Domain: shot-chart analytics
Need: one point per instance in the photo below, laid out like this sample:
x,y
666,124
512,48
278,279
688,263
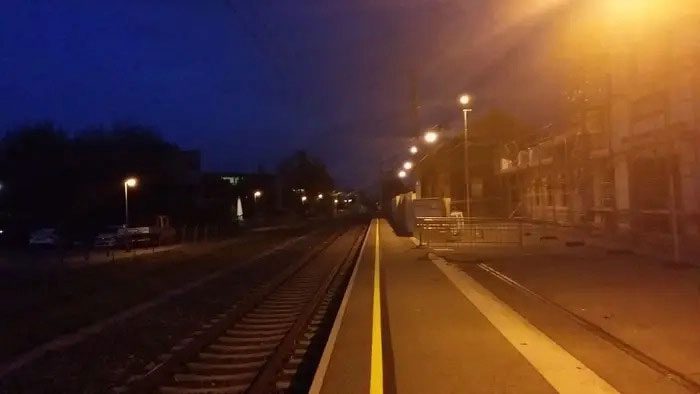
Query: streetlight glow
x,y
407,165
335,201
303,198
413,150
430,137
257,194
320,196
129,182
464,99
402,174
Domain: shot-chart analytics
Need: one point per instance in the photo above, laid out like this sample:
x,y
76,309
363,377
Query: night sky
x,y
248,82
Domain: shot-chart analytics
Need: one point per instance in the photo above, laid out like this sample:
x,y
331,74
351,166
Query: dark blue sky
x,y
248,82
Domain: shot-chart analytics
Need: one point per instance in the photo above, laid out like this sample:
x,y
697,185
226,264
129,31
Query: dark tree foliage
x,y
301,171
76,182
216,202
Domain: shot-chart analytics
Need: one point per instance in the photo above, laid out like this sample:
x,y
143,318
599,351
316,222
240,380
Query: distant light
x,y
303,198
350,200
464,99
402,174
335,201
407,165
131,182
257,194
413,150
320,196
430,137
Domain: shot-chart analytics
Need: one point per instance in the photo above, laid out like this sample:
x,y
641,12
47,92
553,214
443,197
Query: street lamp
x,y
464,101
256,195
413,150
402,174
430,137
129,182
303,198
407,165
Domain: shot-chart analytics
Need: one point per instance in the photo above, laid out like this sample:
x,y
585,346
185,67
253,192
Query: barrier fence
x,y
470,231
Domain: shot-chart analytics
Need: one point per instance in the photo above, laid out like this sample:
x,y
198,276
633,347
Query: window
x,y
564,191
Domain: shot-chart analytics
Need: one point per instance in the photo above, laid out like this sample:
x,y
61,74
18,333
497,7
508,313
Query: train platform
x,y
411,322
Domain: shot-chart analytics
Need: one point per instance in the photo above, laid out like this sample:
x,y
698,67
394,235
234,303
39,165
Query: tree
x,y
303,172
76,183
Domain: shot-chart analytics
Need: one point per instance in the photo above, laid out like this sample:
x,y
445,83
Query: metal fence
x,y
472,231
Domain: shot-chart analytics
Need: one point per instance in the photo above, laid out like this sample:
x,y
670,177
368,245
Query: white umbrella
x,y
239,209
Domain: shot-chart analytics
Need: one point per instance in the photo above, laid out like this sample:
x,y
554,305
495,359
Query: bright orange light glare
x,y
430,137
645,11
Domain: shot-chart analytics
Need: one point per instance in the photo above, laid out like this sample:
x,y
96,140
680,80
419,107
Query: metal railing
x,y
472,231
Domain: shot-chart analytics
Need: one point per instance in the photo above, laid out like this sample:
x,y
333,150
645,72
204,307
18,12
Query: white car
x,y
44,237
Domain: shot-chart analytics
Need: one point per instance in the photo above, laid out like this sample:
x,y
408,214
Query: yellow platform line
x,y
376,379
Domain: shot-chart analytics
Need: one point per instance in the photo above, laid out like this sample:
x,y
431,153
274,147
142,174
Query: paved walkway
x,y
657,245
412,322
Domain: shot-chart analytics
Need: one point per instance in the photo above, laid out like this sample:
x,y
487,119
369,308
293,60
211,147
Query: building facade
x,y
628,160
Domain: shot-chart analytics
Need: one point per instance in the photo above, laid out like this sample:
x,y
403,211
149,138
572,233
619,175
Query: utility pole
x,y
464,100
415,104
669,167
467,192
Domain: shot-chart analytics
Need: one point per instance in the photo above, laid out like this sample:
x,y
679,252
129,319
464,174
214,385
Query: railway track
x,y
261,344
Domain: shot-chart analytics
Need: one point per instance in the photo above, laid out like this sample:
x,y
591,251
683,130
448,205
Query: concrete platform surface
x,y
453,327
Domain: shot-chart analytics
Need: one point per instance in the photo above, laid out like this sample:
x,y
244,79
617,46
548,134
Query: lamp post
x,y
130,182
256,196
464,101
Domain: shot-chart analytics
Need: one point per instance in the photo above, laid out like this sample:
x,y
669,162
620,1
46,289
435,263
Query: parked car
x,y
46,237
159,233
108,237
